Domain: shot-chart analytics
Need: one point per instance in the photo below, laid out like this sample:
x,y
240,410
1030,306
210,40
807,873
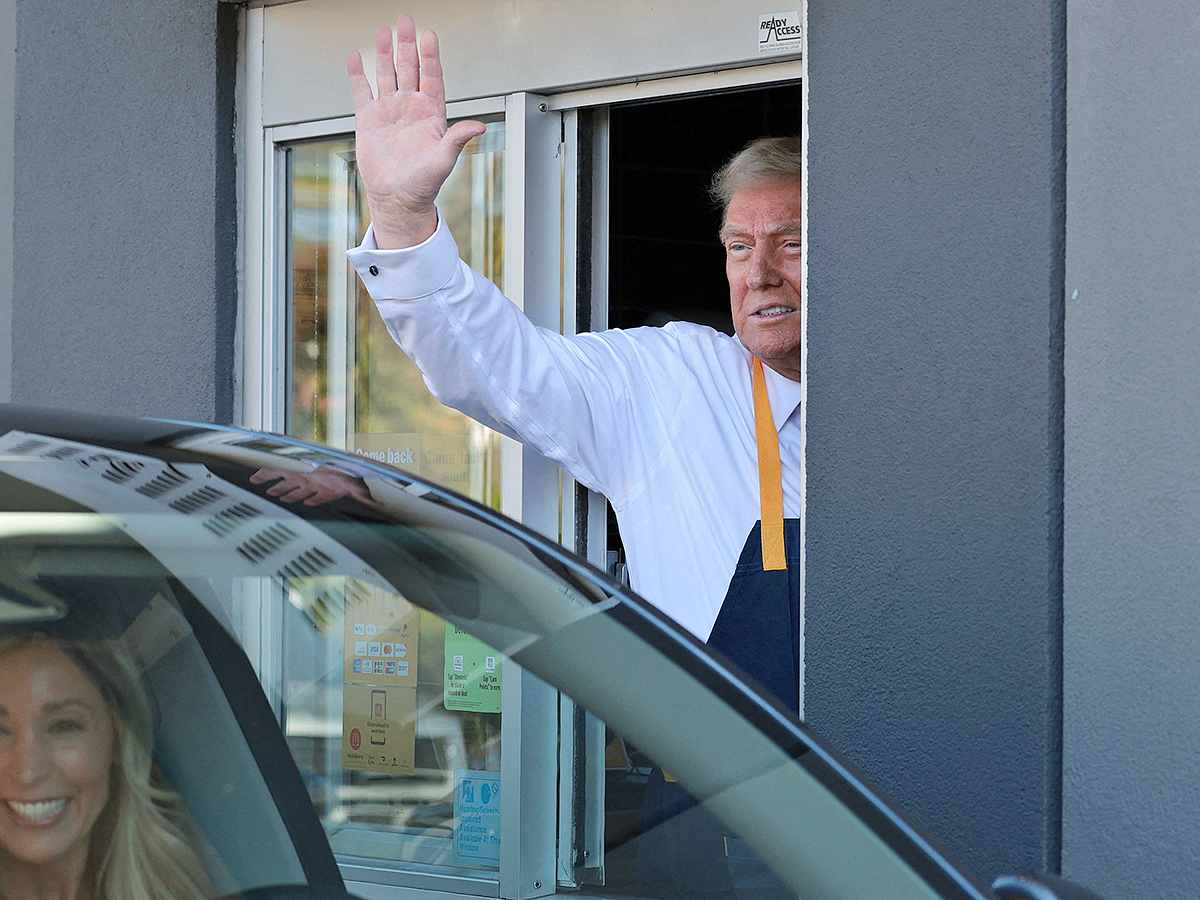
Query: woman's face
x,y
56,756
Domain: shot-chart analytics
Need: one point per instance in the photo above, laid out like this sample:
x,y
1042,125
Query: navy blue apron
x,y
684,851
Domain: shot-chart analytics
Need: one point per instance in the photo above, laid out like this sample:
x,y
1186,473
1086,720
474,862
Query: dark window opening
x,y
665,263
664,258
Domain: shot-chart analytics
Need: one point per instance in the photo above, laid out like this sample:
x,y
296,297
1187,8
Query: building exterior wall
x,y
1002,520
1132,491
8,96
124,292
932,595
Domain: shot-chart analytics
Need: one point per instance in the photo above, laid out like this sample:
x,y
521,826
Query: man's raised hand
x,y
404,149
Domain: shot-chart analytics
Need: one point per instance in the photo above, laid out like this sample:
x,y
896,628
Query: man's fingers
x,y
407,65
359,86
385,67
433,85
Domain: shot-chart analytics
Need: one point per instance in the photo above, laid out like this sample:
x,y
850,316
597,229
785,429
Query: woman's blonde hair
x,y
149,854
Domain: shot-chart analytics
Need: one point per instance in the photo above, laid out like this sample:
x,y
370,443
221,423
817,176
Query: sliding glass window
x,y
348,384
422,697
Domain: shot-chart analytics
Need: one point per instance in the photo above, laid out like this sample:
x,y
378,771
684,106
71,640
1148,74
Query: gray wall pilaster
x,y
124,198
933,593
8,99
1132,492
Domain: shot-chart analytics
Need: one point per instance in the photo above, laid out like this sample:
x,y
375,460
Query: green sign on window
x,y
472,673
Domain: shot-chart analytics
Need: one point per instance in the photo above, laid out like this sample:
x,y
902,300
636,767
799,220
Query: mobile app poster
x,y
473,673
379,728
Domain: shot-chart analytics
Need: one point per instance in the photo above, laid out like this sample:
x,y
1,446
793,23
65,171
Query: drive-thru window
x,y
585,201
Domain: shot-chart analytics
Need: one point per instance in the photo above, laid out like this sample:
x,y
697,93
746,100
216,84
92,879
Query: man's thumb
x,y
461,132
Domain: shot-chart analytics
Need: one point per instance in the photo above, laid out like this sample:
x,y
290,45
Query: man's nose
x,y
763,271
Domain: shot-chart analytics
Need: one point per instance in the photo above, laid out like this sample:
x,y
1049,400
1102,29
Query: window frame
x,y
542,265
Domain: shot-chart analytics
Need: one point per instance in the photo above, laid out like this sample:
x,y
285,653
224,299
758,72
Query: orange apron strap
x,y
770,478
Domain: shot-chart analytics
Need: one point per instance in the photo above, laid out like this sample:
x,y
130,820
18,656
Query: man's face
x,y
761,237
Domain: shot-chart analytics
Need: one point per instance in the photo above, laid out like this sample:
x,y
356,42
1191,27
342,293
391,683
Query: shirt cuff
x,y
406,274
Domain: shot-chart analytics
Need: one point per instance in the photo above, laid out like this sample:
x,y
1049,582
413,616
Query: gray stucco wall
x,y
933,595
8,92
1132,491
124,282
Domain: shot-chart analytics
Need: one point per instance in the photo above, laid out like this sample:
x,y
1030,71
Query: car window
x,y
126,610
402,608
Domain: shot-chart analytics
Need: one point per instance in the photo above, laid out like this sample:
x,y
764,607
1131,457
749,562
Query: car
x,y
329,680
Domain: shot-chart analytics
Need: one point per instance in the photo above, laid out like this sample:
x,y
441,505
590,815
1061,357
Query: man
x,y
660,420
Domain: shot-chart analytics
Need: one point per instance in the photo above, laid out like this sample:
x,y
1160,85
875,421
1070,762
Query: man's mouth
x,y
37,812
773,311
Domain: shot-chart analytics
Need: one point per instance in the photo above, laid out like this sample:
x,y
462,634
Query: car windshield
x,y
141,577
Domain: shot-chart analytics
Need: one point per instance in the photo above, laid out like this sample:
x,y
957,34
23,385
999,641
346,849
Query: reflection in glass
x,y
374,719
349,385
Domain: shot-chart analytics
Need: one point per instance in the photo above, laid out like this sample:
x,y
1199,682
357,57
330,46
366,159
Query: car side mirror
x,y
1040,887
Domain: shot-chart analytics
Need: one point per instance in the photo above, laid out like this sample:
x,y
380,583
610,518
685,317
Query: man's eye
x,y
736,247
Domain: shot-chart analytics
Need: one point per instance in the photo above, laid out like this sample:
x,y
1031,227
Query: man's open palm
x,y
404,149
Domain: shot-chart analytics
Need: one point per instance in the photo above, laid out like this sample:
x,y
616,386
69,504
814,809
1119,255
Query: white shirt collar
x,y
785,396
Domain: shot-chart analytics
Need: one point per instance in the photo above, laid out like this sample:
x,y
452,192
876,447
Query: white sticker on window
x,y
780,33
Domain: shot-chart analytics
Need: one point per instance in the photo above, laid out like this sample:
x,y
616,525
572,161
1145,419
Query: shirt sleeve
x,y
570,398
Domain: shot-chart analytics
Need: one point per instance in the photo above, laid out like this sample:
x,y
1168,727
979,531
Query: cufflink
x,y
374,270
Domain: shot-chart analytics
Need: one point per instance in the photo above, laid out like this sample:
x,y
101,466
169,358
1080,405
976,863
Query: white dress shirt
x,y
659,420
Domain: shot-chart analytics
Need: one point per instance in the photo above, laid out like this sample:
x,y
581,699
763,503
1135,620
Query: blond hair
x,y
761,161
149,853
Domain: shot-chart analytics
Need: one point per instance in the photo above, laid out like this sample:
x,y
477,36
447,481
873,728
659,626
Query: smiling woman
x,y
84,812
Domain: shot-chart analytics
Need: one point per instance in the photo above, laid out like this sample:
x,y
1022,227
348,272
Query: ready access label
x,y
780,32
